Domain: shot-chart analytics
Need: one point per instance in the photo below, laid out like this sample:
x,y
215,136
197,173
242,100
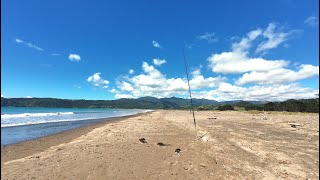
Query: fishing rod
x,y
185,64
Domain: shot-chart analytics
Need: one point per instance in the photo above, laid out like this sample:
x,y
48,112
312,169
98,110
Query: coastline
x,y
26,148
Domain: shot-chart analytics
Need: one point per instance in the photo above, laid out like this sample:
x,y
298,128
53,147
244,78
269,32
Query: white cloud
x,y
113,90
149,69
245,43
2,95
198,81
312,21
19,40
30,45
97,81
258,70
239,62
228,91
119,96
229,88
156,44
210,37
274,38
271,76
124,86
279,76
29,97
268,79
273,34
196,72
74,57
159,62
153,83
131,71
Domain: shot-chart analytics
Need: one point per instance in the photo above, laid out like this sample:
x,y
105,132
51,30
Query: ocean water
x,y
22,123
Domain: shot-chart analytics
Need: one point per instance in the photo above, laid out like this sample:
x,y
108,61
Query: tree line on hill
x,y
292,105
139,103
303,105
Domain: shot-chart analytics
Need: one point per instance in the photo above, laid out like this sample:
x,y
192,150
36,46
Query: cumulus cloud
x,y
74,57
239,62
156,44
279,76
227,91
29,97
159,62
259,70
312,21
131,71
210,37
271,76
196,72
2,95
264,79
97,81
28,44
124,86
119,96
198,81
153,83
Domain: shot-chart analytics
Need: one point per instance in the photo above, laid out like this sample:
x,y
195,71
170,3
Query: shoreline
x,y
25,148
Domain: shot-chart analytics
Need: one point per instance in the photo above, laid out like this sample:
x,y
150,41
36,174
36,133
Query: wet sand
x,y
23,149
235,145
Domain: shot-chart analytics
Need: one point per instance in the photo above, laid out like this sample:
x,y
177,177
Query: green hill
x,y
303,105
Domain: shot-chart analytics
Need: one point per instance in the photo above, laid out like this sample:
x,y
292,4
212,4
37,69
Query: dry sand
x,y
239,145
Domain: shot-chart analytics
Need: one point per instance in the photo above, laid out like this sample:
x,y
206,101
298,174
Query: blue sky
x,y
251,50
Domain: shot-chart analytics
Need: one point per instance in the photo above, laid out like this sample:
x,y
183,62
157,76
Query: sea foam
x,y
34,114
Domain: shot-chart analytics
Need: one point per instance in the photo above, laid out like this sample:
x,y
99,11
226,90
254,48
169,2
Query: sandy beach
x,y
235,145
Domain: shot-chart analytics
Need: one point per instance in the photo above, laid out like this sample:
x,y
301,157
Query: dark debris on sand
x,y
143,140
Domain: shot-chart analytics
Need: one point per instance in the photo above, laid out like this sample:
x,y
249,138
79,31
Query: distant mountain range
x,y
139,103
